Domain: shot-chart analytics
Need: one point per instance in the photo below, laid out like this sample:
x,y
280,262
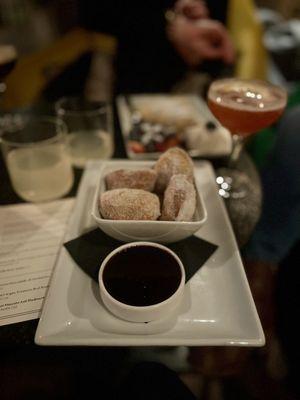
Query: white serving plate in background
x,y
218,144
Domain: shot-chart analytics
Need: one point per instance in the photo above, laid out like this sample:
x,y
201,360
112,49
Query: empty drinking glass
x,y
89,126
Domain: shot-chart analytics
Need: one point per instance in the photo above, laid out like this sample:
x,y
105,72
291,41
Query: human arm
x,y
197,41
196,37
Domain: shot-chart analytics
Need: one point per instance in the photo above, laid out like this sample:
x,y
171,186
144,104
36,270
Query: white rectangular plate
x,y
218,309
217,144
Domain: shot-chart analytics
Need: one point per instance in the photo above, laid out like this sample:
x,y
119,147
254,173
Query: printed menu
x,y
31,236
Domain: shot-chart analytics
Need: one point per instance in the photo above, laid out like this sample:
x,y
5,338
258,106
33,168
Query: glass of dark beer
x,y
8,59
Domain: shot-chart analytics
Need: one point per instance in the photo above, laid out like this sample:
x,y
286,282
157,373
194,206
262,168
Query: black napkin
x,y
90,249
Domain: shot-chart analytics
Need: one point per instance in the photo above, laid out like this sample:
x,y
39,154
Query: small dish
x,y
141,281
153,231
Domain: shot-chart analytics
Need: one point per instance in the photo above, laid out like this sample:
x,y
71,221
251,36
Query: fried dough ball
x,y
134,179
173,161
179,202
129,204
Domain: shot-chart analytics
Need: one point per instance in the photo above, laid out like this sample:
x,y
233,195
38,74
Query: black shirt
x,y
145,61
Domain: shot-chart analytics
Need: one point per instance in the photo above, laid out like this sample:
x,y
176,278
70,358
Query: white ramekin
x,y
141,313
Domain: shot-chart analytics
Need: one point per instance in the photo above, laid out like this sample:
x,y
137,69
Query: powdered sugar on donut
x,y
172,162
129,204
134,179
179,202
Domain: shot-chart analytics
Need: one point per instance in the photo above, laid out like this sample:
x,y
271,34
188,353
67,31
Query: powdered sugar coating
x,y
134,179
129,204
174,161
179,202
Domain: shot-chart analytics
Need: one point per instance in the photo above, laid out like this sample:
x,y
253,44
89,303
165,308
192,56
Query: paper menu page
x,y
30,238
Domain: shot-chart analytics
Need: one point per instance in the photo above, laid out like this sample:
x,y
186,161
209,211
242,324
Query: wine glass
x,y
8,59
244,107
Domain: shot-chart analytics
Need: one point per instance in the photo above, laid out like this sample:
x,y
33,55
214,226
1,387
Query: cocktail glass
x,y
244,107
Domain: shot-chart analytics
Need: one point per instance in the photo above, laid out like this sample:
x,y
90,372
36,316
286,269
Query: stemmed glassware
x,y
8,59
244,107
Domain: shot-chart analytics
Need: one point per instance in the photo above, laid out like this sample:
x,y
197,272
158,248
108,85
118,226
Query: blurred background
x,y
49,43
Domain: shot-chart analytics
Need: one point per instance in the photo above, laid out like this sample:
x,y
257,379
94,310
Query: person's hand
x,y
200,40
193,9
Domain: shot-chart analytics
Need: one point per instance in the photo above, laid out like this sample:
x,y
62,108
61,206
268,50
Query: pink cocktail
x,y
245,107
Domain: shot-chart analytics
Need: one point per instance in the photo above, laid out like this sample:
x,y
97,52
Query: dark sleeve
x,y
111,16
101,16
218,9
146,60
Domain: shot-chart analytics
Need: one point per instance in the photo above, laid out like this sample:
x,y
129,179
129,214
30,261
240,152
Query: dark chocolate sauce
x,y
142,275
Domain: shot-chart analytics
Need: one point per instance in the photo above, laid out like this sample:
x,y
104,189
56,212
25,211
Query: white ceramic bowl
x,y
154,231
141,313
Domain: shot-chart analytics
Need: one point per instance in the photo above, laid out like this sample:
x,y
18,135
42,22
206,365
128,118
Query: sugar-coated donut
x,y
134,179
174,161
179,202
129,204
